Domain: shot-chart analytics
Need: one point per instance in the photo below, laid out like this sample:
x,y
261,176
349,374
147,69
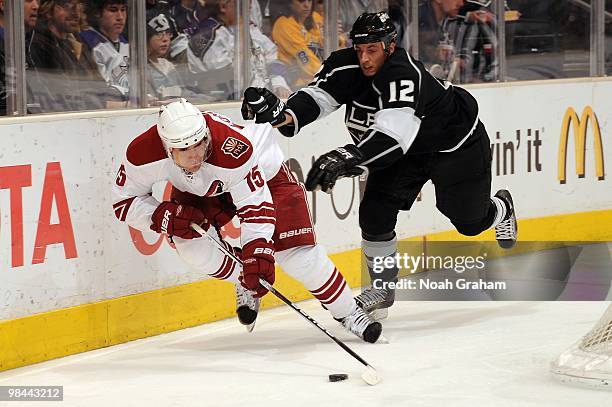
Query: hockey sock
x,y
501,211
335,295
311,266
376,254
228,268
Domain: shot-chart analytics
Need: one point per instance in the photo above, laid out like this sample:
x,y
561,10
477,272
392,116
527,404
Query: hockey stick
x,y
370,375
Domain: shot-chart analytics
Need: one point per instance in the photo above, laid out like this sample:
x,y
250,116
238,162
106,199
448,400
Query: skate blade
x,y
383,340
250,327
379,314
506,244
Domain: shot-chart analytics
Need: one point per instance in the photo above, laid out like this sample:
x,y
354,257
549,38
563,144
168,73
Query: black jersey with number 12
x,y
401,110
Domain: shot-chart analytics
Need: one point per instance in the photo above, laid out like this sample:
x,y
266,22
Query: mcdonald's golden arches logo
x,y
579,128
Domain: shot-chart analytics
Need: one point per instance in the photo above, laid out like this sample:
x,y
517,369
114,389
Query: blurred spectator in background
x,y
106,42
437,18
163,80
475,42
318,17
349,10
266,9
399,16
255,13
299,40
213,44
30,16
457,39
61,59
186,15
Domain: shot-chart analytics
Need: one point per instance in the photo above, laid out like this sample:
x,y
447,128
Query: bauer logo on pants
x,y
295,232
579,129
234,147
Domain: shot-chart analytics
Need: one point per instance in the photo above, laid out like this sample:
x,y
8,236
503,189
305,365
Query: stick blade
x,y
371,376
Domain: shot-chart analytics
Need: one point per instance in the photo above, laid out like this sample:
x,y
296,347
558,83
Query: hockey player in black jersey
x,y
407,128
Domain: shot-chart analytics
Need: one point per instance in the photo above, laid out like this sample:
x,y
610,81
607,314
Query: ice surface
x,y
468,354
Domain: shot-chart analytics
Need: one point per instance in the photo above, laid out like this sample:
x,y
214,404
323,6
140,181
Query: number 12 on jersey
x,y
406,89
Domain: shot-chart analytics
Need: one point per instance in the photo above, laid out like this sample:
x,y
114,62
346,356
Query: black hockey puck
x,y
338,377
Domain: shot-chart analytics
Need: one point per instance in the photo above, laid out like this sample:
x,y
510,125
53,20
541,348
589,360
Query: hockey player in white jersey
x,y
214,163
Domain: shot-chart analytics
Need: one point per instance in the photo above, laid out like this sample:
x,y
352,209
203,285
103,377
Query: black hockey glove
x,y
338,163
263,106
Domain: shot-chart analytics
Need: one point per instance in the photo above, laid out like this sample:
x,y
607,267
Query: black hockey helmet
x,y
373,27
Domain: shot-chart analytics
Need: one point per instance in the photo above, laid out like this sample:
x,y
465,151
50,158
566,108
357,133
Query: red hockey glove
x,y
257,262
219,210
174,219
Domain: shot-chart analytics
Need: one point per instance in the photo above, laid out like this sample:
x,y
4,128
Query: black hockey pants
x,y
462,181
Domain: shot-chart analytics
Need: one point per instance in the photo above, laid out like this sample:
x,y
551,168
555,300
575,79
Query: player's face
x,y
192,157
451,7
112,20
372,57
30,13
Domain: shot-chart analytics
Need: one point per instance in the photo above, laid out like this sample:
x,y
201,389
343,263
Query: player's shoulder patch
x,y
234,146
229,148
146,148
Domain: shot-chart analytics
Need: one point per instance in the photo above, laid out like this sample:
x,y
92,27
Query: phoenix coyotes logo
x,y
234,147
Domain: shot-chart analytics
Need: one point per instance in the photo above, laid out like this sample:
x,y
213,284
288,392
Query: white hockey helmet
x,y
180,125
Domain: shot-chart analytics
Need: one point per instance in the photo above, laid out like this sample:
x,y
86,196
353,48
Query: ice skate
x,y
362,325
376,302
247,307
506,231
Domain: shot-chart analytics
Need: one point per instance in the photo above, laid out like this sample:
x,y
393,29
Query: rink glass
x,y
608,38
526,40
